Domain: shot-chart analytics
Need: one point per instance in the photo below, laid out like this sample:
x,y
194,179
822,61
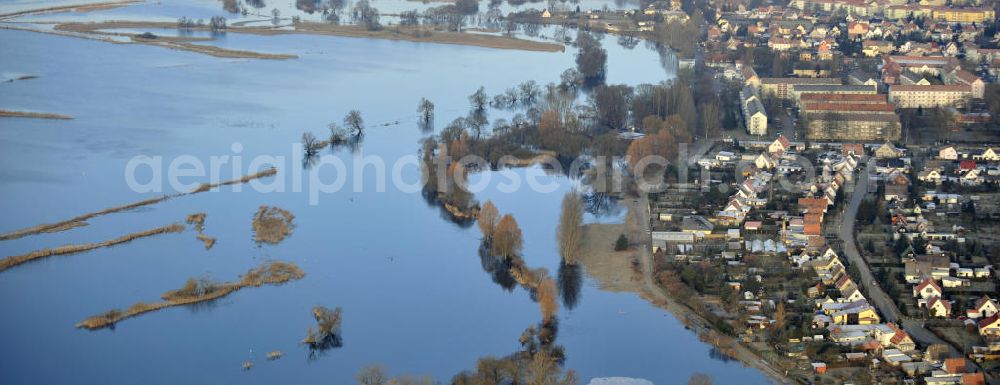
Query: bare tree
x,y
591,59
507,240
327,330
337,133
354,122
310,144
479,99
569,234
363,13
488,218
529,92
547,299
426,110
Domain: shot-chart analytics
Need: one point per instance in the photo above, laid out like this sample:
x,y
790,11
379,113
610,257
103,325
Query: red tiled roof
x,y
973,379
784,141
985,322
928,282
954,365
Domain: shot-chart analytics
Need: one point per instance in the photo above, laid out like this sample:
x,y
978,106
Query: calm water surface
x,y
412,286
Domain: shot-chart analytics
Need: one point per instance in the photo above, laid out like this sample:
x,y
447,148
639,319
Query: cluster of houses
x,y
851,307
973,167
882,29
852,322
922,48
758,177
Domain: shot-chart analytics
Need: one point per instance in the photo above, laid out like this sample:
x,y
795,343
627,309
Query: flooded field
x,y
413,289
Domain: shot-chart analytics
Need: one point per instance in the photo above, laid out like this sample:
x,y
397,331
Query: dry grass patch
x,y
272,224
207,240
245,179
197,290
12,261
198,220
35,115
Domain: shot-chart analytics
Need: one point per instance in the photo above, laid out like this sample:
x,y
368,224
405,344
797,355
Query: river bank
x,y
632,270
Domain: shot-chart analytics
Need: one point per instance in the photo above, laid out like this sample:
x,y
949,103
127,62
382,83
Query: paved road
x,y
876,296
788,126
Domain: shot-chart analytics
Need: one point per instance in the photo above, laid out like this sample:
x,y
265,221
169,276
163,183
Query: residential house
x,y
938,307
990,326
887,151
948,153
927,289
779,146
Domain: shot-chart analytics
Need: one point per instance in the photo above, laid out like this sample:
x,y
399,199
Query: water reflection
x,y
320,349
719,355
601,204
570,282
497,267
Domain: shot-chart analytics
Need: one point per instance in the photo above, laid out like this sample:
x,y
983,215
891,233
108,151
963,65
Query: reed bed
x,y
12,261
207,240
272,224
35,115
200,290
246,178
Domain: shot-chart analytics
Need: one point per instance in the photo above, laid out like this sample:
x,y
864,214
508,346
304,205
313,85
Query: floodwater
x,y
412,286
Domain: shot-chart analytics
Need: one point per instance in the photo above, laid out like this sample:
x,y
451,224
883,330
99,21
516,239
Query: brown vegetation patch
x,y
272,224
402,33
12,261
207,240
246,178
418,34
184,43
200,290
34,115
326,334
198,220
217,51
